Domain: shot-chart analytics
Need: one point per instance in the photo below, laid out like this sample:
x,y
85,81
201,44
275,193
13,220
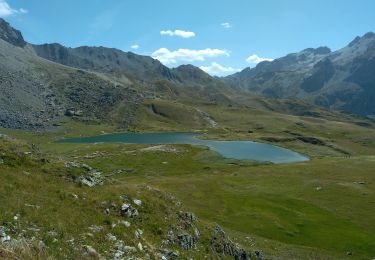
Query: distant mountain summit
x,y
343,79
108,60
11,35
44,82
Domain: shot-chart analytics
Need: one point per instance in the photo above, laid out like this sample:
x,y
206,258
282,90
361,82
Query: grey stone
x,y
91,252
4,237
91,179
110,237
138,233
95,228
221,244
187,241
129,211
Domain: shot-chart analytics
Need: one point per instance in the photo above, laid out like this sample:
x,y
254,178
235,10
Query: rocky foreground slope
x,y
70,210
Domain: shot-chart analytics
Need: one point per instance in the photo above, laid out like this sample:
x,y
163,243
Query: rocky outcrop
x,y
90,176
11,35
222,245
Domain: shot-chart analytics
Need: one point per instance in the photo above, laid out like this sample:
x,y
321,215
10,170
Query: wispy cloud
x,y
166,56
7,10
256,59
216,69
135,46
179,33
226,25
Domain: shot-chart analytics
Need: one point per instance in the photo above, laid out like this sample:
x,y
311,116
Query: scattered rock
x,y
257,255
124,197
95,228
52,233
33,229
91,252
125,223
3,235
130,249
119,250
129,211
168,254
138,234
41,245
137,202
32,206
110,237
140,247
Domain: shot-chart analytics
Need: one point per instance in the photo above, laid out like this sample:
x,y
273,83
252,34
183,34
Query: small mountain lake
x,y
240,150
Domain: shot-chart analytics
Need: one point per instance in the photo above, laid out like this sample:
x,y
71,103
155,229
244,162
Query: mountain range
x,y
343,79
41,83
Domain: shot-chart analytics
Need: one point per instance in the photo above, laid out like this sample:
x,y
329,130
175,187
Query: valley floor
x,y
320,209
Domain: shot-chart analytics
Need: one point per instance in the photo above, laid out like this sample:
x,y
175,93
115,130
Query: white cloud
x,y
166,56
135,46
6,10
218,70
256,59
180,33
226,25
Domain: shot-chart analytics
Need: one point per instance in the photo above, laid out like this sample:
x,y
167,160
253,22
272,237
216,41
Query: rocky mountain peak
x,y
318,51
11,35
370,36
191,72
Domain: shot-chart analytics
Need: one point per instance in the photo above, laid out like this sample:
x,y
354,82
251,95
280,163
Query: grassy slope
x,y
274,208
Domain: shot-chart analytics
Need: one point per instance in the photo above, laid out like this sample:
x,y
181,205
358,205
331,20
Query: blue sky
x,y
218,36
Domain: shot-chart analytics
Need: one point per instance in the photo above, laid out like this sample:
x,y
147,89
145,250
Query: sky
x,y
221,37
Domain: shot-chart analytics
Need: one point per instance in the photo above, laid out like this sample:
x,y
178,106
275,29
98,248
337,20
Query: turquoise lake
x,y
240,150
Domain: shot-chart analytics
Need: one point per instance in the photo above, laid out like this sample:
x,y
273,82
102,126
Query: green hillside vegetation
x,y
319,209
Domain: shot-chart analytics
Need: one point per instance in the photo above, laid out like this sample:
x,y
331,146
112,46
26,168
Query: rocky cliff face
x,y
11,35
343,79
